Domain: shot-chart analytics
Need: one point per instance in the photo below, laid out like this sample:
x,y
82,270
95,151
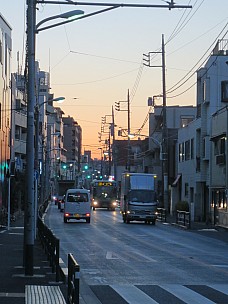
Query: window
x,y
192,148
17,132
6,57
186,189
181,152
206,90
224,91
1,52
219,146
185,120
187,150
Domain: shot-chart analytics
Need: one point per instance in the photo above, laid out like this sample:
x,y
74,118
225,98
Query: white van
x,y
77,205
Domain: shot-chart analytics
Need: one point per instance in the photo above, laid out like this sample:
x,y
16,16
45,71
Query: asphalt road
x,y
137,263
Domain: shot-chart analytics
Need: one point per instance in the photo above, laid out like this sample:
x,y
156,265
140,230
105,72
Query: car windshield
x,y
77,197
145,196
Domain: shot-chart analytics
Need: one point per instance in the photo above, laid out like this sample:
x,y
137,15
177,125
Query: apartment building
x,y
202,145
177,118
72,143
5,105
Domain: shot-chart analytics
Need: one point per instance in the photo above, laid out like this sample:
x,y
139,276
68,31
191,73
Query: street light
x,y
71,15
32,30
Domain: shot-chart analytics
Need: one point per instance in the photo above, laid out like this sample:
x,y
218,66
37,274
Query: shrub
x,y
182,206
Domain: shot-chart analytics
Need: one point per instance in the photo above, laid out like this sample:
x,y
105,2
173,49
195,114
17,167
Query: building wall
x,y
5,104
207,173
219,167
72,141
177,117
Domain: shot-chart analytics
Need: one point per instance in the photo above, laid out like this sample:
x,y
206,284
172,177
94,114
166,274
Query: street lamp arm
x,y
71,20
64,15
170,5
58,99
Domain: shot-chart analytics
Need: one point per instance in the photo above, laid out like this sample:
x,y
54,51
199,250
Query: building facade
x,y
5,106
202,144
72,142
177,118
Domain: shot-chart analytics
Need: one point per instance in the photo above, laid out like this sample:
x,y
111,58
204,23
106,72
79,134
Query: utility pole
x,y
114,146
128,132
164,135
117,107
29,231
164,144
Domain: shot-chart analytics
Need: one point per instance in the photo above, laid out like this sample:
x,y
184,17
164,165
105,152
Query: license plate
x,y
76,215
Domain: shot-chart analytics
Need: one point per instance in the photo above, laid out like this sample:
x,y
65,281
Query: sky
x,y
93,62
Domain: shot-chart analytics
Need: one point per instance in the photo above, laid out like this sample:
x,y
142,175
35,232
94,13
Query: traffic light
x,y
117,106
86,167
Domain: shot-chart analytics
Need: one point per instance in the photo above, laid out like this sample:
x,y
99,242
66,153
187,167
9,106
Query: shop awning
x,y
174,184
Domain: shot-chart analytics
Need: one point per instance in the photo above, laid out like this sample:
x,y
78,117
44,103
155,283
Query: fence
x,y
50,244
161,214
73,280
183,218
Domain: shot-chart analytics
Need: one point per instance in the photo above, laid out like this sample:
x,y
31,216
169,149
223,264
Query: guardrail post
x,y
57,259
73,280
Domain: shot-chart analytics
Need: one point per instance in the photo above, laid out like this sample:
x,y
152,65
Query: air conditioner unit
x,y
220,159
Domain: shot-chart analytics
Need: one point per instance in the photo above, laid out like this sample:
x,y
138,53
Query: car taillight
x,y
66,214
87,214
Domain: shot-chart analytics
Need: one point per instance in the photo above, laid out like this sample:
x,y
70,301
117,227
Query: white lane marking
x,y
12,295
111,256
220,287
133,295
185,294
221,266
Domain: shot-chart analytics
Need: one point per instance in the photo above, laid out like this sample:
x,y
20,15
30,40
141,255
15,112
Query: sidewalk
x,y
210,230
12,277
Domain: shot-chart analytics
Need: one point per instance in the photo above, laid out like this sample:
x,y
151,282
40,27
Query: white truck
x,y
138,201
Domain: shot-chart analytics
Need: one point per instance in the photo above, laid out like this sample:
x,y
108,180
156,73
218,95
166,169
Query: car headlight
x,y
95,203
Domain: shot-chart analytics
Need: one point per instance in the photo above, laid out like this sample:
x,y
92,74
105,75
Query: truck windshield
x,y
145,196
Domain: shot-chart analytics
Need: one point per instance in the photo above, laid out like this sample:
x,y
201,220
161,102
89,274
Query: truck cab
x,y
138,198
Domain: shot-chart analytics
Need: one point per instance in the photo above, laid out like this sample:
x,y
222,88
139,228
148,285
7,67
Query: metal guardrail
x,y
161,214
73,280
50,244
183,218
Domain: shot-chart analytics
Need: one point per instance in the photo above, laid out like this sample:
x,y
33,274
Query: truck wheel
x,y
65,220
88,220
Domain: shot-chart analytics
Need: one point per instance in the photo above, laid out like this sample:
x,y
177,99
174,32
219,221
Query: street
x,y
139,263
